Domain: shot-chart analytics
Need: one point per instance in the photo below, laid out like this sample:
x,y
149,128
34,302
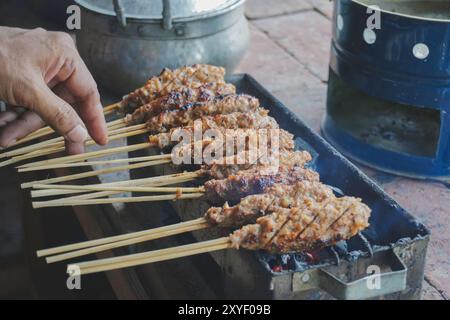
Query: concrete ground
x,y
289,54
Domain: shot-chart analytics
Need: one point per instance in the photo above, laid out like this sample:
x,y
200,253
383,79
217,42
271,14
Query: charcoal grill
x,y
388,92
395,242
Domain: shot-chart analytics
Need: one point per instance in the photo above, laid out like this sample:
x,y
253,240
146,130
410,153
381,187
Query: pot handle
x,y
167,15
371,286
120,13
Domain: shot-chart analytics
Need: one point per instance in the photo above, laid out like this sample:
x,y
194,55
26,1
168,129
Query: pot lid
x,y
152,9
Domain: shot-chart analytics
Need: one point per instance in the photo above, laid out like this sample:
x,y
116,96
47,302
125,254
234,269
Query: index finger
x,y
81,85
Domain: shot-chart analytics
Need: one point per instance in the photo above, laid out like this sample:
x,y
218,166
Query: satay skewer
x,y
307,196
200,83
49,151
236,104
95,173
45,131
225,217
284,230
64,202
130,239
150,257
163,140
95,163
88,155
59,141
179,190
226,105
95,243
167,180
232,188
217,170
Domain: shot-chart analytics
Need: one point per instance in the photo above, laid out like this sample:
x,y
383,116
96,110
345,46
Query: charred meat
x,y
178,98
305,228
243,184
300,194
188,113
286,160
172,80
237,120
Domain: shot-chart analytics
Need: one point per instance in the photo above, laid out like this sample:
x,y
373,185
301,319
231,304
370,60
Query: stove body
x,y
389,86
395,243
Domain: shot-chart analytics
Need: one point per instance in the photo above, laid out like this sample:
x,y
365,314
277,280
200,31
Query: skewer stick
x,y
95,173
89,155
117,126
48,151
84,156
178,190
108,109
151,236
66,203
59,141
147,182
47,130
95,163
37,134
127,236
150,257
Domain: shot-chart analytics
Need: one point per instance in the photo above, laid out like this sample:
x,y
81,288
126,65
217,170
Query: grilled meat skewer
x,y
229,166
235,187
304,229
177,99
219,120
284,230
188,113
173,80
299,194
236,120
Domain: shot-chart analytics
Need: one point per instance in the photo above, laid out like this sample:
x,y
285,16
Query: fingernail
x,y
77,134
11,143
104,139
74,148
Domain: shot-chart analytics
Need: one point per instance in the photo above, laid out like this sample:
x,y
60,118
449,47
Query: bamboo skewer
x,y
48,130
48,151
95,173
59,141
110,108
151,257
65,202
37,134
95,163
127,236
122,189
83,156
147,182
152,235
89,155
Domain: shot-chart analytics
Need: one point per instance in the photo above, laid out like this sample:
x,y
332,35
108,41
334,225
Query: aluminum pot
x,y
125,42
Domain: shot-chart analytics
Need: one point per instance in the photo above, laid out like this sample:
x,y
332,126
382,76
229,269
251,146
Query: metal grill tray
x,y
391,226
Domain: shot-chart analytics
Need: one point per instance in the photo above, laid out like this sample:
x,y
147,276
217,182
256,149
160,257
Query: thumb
x,y
62,118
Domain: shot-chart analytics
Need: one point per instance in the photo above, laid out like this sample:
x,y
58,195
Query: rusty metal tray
x,y
395,242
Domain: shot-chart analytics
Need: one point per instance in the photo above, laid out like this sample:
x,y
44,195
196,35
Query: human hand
x,y
42,72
